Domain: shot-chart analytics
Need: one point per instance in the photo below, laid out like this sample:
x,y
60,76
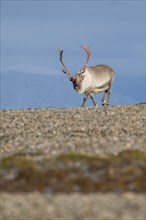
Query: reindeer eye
x,y
82,77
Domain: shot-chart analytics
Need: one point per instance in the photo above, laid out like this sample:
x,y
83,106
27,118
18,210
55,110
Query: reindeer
x,y
91,79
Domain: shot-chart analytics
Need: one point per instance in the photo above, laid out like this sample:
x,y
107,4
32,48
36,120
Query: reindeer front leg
x,y
92,98
84,100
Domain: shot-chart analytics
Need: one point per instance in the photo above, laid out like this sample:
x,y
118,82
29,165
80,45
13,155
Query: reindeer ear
x,y
82,70
71,78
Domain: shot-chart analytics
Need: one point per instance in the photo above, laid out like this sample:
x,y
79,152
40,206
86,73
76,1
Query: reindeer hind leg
x,y
103,98
109,94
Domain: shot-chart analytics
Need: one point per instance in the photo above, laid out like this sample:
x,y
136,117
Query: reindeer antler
x,y
66,71
87,49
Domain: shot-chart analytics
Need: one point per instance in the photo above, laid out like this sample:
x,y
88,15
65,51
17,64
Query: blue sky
x,y
32,32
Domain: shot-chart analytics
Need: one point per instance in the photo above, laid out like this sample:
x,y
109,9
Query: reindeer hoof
x,y
104,105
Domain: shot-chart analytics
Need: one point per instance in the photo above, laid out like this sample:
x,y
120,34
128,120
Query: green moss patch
x,y
19,162
73,172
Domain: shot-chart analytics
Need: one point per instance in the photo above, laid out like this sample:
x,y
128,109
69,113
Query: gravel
x,y
92,130
36,206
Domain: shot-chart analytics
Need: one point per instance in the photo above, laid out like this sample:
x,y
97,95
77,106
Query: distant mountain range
x,y
29,90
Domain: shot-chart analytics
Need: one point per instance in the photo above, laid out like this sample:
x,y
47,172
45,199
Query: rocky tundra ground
x,y
73,163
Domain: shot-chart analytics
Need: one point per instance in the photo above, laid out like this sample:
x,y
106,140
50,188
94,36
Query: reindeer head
x,y
78,78
77,81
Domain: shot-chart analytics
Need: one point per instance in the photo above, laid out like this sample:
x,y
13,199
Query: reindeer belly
x,y
96,90
97,87
94,83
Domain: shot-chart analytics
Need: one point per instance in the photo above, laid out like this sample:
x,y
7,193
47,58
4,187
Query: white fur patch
x,y
86,83
93,80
